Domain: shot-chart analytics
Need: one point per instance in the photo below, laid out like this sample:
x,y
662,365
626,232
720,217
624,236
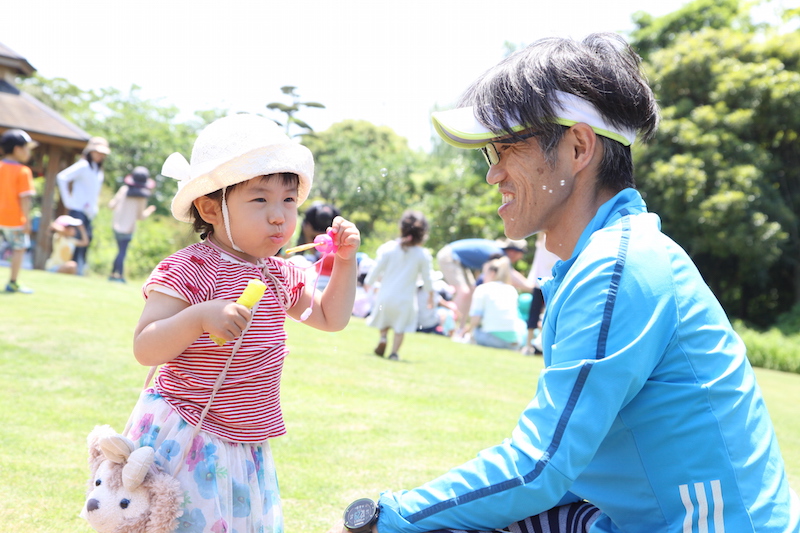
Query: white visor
x,y
460,128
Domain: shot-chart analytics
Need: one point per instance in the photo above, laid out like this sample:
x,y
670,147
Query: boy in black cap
x,y
16,190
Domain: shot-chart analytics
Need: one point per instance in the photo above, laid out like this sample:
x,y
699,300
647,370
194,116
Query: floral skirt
x,y
228,487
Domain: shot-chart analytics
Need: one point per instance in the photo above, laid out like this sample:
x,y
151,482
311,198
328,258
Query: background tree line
x,y
722,173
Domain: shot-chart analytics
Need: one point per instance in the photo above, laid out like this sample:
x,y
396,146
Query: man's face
x,y
534,192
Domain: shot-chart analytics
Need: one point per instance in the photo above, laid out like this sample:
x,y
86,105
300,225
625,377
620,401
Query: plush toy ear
x,y
136,468
93,442
98,433
116,448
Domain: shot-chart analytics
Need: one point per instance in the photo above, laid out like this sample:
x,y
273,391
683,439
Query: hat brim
x,y
99,147
66,221
215,175
130,182
460,128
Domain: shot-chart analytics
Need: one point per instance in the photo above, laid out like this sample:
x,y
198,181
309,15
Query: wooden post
x,y
43,240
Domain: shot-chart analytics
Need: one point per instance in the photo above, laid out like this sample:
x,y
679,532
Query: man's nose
x,y
495,174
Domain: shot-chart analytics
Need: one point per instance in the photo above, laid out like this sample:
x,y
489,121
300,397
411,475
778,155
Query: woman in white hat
x,y
130,206
241,192
80,186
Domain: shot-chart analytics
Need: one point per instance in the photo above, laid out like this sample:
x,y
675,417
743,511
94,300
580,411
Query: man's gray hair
x,y
602,69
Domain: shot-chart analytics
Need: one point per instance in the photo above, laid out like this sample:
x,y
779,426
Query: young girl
x,y
241,191
68,233
399,263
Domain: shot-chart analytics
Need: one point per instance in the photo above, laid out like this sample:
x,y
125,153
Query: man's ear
x,y
210,210
584,145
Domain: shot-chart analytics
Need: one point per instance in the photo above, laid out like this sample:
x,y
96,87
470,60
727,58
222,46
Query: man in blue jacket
x,y
647,417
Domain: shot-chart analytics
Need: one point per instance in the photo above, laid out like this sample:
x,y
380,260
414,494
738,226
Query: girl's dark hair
x,y
602,69
92,163
204,228
413,228
320,216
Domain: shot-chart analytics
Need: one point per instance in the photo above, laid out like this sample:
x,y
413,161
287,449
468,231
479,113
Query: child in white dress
x,y
399,264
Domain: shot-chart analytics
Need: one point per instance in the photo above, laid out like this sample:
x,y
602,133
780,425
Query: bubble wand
x,y
249,298
324,242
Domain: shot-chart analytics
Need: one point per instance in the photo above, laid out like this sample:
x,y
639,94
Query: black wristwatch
x,y
361,515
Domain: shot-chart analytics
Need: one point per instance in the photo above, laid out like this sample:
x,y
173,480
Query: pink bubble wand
x,y
324,243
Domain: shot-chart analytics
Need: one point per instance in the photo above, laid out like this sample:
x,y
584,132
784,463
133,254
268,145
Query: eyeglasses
x,y
492,154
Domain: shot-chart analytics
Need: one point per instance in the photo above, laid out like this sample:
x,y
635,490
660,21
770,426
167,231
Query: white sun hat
x,y
234,149
461,128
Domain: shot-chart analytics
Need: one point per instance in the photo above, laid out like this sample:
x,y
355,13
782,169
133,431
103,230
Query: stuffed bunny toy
x,y
127,491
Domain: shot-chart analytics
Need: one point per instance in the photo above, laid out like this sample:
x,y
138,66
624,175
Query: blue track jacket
x,y
647,406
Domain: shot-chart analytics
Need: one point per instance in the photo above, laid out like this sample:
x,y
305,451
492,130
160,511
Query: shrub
x,y
771,349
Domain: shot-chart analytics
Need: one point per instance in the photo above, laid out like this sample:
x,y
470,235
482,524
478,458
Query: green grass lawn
x,y
357,424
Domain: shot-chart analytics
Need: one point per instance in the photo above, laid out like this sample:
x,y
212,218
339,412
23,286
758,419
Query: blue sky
x,y
388,63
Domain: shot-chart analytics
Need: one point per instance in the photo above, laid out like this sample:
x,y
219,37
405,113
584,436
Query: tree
x,y
141,132
456,198
724,169
58,94
371,174
291,110
365,170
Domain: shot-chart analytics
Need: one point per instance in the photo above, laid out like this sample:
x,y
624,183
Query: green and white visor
x,y
460,128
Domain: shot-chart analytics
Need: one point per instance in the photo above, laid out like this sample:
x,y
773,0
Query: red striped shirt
x,y
247,406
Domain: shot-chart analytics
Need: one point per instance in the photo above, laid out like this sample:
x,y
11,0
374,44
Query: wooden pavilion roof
x,y
15,62
21,110
60,141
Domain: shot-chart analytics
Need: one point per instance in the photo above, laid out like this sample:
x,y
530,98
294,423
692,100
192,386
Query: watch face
x,y
359,513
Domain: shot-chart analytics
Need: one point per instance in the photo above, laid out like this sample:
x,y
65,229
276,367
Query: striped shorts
x,y
572,518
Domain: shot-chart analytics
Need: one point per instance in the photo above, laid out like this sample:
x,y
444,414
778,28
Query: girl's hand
x,y
346,237
169,325
334,306
224,319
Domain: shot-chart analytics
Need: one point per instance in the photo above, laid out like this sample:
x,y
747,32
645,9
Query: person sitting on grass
x,y
68,233
493,313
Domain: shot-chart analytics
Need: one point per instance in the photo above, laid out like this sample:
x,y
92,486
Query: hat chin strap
x,y
226,221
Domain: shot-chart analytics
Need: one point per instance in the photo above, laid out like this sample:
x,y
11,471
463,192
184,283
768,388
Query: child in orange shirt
x,y
16,190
